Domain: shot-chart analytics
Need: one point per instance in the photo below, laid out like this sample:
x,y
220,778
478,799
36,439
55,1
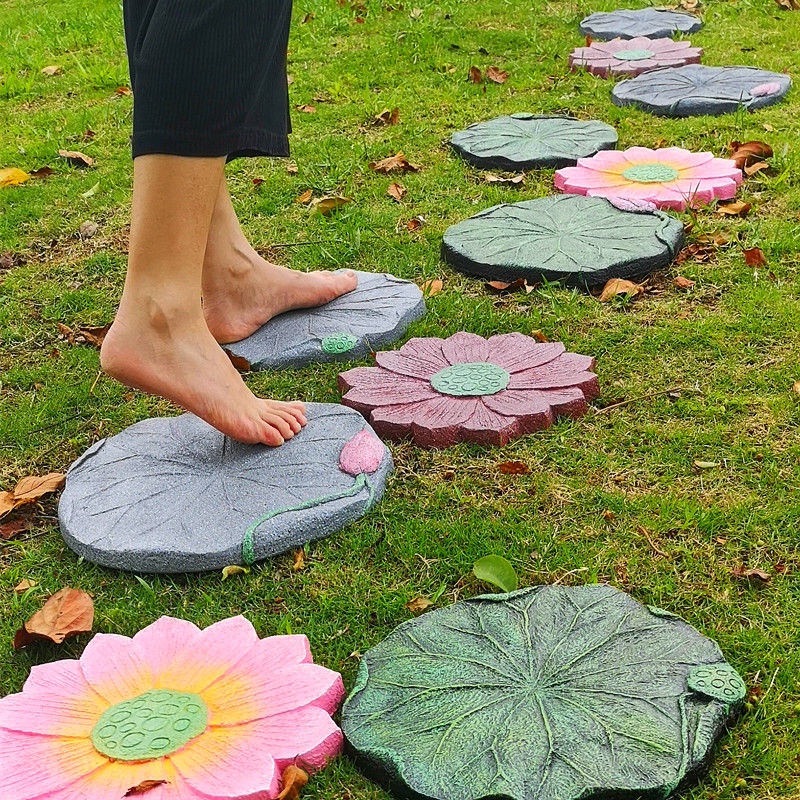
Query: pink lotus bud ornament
x,y
363,453
188,714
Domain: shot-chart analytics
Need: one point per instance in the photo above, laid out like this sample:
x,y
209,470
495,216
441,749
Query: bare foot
x,y
242,291
161,351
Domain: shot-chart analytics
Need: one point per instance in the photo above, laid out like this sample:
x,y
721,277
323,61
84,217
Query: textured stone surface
x,y
632,57
579,241
548,693
695,89
628,23
526,141
375,314
174,495
470,389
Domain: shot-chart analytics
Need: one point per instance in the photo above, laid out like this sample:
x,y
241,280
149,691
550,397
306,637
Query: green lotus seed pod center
x,y
720,681
633,55
149,726
339,343
650,173
473,379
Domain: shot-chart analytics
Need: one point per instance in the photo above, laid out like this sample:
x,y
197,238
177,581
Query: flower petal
x,y
486,426
437,422
114,669
515,351
543,379
419,358
367,386
516,403
463,347
112,780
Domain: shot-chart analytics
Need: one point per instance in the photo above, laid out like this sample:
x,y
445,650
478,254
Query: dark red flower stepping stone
x,y
470,389
696,89
629,23
578,241
548,693
527,141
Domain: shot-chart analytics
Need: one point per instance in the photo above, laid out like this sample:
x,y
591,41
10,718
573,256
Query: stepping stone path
x,y
375,314
175,495
694,89
579,241
627,24
551,692
470,389
630,57
527,141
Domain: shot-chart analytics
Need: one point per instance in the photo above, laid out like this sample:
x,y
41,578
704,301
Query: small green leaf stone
x,y
720,681
633,55
339,343
651,173
149,726
472,379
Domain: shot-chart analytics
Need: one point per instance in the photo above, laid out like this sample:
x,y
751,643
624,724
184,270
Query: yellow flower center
x,y
149,726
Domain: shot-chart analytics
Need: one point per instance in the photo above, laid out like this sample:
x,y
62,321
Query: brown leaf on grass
x,y
474,75
42,172
123,91
539,336
299,562
735,209
307,18
240,362
12,528
293,780
12,176
76,158
505,286
305,198
682,283
328,204
514,468
516,180
415,223
67,613
7,261
759,166
617,286
24,585
702,250
29,490
397,191
496,75
418,605
86,334
789,5
144,787
608,515
88,229
291,169
747,153
307,109
796,387
432,287
51,70
387,117
755,575
754,257
395,163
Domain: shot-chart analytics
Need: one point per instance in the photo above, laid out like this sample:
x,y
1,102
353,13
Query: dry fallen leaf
x,y
387,117
123,91
789,5
754,575
307,109
505,286
292,780
617,286
12,528
609,516
474,75
299,560
796,387
24,585
240,362
395,163
432,287
754,257
516,180
514,468
76,158
291,169
415,223
234,569
539,336
305,198
496,75
747,153
11,176
735,209
418,605
144,787
29,490
52,69
682,283
759,166
42,172
86,334
706,464
67,613
328,204
88,229
397,191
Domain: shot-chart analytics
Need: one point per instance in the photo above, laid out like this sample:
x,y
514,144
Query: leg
x,y
241,290
159,341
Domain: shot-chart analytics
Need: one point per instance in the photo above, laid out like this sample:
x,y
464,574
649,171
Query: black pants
x,y
209,76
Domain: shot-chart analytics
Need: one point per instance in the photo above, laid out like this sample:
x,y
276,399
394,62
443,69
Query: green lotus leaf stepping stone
x,y
579,241
547,693
526,141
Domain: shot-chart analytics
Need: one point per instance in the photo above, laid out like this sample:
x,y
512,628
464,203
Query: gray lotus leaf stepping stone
x,y
579,241
375,314
696,89
175,495
526,141
628,23
548,693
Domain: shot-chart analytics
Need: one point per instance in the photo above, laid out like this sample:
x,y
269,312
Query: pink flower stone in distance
x,y
470,389
213,714
631,57
668,178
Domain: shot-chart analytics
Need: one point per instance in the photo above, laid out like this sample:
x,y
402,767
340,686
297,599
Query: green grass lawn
x,y
675,534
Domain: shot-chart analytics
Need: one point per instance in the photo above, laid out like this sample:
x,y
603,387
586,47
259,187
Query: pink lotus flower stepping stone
x,y
633,56
630,23
376,313
696,89
670,177
200,714
175,495
470,389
